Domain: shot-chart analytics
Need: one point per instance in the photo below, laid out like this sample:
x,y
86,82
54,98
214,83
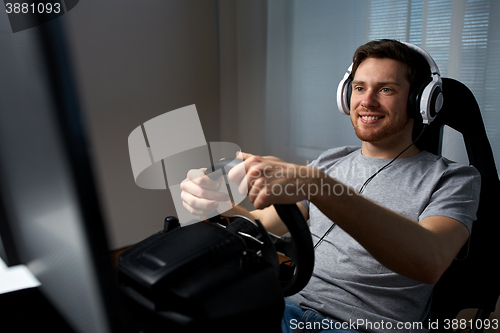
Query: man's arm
x,y
272,222
268,217
420,251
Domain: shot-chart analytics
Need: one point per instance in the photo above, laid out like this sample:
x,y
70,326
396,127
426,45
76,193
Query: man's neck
x,y
379,150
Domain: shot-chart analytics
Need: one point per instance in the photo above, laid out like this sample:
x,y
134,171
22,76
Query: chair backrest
x,y
473,282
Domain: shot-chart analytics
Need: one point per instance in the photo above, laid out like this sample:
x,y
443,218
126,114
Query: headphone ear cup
x,y
348,94
431,101
344,92
436,101
414,102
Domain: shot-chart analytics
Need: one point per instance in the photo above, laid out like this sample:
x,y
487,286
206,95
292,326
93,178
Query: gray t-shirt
x,y
348,284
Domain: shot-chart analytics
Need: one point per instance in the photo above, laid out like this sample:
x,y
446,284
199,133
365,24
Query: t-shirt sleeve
x,y
456,196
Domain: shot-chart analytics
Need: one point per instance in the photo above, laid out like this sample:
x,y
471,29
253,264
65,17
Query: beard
x,y
389,128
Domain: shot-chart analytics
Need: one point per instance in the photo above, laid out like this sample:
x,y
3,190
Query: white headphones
x,y
426,100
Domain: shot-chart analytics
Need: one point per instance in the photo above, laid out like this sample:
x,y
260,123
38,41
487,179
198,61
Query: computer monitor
x,y
8,252
50,206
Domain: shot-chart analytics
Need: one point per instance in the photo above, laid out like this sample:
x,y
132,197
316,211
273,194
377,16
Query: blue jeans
x,y
296,320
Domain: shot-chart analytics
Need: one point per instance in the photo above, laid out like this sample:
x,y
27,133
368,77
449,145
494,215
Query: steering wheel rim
x,y
300,247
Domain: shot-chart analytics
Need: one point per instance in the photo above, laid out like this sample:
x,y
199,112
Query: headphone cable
x,y
388,164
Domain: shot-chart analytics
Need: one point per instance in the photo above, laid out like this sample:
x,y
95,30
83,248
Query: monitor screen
x,y
50,207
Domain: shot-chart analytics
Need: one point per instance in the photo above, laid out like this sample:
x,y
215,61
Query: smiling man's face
x,y
379,101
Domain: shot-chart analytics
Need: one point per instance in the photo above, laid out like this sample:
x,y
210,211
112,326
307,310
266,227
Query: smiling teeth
x,y
370,118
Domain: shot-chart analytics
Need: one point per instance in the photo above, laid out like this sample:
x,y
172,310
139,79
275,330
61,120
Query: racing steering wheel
x,y
219,274
299,247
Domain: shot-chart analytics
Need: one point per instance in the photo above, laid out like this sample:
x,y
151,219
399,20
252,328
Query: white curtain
x,y
281,61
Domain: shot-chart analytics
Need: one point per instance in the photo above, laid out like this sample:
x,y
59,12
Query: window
x,y
463,37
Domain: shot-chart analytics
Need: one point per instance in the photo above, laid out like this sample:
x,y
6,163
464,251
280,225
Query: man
x,y
393,241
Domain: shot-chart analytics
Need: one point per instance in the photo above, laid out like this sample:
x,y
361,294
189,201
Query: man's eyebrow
x,y
383,83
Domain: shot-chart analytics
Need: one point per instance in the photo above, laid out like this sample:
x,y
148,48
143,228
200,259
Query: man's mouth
x,y
368,118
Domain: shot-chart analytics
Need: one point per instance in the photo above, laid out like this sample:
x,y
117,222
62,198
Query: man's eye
x,y
386,90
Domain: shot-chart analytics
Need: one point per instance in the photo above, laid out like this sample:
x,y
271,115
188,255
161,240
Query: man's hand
x,y
200,194
269,180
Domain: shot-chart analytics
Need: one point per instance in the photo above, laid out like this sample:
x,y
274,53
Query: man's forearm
x,y
238,210
267,216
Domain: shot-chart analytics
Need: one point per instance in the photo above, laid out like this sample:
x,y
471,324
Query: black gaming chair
x,y
475,281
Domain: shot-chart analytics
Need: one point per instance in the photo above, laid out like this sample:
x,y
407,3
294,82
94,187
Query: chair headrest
x,y
461,112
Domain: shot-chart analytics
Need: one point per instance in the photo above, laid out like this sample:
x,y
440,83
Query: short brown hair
x,y
418,70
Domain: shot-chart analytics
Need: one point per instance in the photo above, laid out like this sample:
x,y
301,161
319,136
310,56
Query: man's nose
x,y
370,99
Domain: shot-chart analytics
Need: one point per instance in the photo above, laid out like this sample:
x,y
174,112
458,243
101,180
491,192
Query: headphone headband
x,y
432,64
426,101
